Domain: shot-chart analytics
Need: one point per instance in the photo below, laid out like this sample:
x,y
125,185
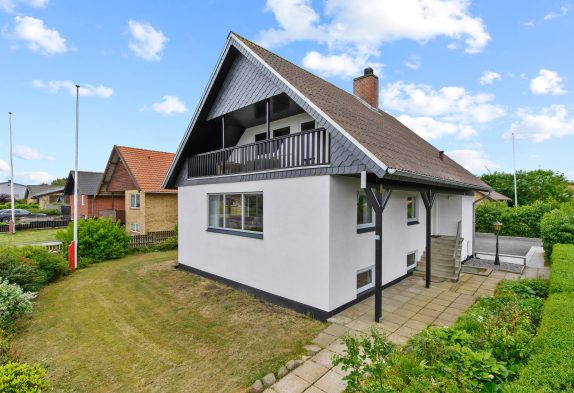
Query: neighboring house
x,y
90,203
20,190
278,174
138,174
45,196
492,196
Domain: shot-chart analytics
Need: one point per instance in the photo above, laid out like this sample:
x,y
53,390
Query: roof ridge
x,y
139,148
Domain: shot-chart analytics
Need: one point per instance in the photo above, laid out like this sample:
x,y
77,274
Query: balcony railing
x,y
303,149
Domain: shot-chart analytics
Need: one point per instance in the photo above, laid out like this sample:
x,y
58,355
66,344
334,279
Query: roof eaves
x,y
396,173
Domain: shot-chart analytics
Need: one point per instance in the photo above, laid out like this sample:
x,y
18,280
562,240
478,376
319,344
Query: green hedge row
x,y
557,227
551,366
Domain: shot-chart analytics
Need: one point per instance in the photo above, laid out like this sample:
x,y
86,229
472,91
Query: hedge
x,y
557,227
562,274
551,366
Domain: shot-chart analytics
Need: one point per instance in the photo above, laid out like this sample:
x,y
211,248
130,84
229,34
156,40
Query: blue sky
x,y
462,74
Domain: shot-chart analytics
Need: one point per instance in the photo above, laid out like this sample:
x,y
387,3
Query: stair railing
x,y
455,253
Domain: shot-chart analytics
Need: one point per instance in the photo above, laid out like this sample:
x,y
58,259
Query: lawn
x,y
140,324
32,236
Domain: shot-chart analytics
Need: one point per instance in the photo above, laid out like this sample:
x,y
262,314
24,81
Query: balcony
x,y
299,150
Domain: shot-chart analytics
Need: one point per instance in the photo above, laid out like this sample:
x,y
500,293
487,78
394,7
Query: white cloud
x,y
359,27
29,153
330,65
37,36
169,106
547,82
550,122
564,10
4,169
36,177
413,62
475,161
85,90
429,128
452,103
147,42
489,77
10,5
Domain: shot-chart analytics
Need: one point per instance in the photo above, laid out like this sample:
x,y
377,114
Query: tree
x,y
61,181
532,186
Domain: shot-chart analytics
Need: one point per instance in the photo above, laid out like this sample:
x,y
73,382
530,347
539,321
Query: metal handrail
x,y
457,240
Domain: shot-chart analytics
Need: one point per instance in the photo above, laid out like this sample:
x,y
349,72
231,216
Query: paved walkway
x,y
408,307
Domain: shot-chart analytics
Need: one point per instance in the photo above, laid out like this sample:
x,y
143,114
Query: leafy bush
x,y
487,214
562,274
557,227
22,378
14,303
98,239
31,267
485,348
551,366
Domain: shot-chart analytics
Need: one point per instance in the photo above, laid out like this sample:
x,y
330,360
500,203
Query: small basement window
x,y
411,260
365,279
135,227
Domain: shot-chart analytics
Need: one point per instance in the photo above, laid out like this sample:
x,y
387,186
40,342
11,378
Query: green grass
x,y
24,237
139,324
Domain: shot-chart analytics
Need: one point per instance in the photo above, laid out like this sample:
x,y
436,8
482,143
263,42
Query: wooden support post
x,y
378,203
428,200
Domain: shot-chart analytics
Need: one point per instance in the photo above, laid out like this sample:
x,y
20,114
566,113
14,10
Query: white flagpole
x,y
12,175
76,180
514,164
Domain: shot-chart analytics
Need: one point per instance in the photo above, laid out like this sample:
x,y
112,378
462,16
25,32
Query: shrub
x,y
557,227
562,274
14,303
551,366
98,239
487,214
31,267
22,378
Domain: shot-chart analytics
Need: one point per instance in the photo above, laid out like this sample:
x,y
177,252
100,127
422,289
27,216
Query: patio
x,y
408,308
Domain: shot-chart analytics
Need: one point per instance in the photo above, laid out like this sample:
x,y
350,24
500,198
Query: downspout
x,y
474,220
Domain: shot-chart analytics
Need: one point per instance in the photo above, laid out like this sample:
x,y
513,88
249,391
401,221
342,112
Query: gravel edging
x,y
504,266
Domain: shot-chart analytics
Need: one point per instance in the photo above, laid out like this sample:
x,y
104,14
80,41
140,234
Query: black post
x,y
497,257
378,203
428,200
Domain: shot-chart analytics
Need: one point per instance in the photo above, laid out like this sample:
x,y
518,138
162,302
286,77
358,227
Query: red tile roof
x,y
148,167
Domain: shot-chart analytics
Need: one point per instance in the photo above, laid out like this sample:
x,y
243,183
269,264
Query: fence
x,y
37,225
149,239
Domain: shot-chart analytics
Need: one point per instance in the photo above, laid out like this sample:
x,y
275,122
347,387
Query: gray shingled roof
x,y
88,183
42,189
383,135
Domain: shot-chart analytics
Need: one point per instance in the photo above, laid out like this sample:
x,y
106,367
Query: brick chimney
x,y
366,87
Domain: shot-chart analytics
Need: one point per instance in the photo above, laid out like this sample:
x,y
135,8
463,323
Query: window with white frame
x,y
412,210
365,216
236,211
135,200
411,260
365,279
135,227
83,200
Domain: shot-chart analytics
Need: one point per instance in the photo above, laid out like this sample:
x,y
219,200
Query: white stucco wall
x,y
294,122
351,251
447,212
19,190
292,260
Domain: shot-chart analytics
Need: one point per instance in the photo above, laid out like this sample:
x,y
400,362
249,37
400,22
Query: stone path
x,y
408,308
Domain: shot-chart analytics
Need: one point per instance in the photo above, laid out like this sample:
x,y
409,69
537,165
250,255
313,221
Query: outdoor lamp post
x,y
497,226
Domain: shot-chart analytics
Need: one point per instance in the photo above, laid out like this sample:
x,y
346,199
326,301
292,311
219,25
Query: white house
x,y
309,196
20,190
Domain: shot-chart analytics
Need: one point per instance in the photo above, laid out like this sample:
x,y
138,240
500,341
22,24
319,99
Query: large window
x,y
135,200
412,210
238,212
365,279
364,212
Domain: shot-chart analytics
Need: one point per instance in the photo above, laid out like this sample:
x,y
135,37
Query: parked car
x,y
6,214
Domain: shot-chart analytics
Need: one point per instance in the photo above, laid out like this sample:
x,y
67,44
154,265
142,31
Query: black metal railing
x,y
303,149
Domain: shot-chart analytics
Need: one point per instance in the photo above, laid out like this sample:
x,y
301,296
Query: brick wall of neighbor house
x,y
161,212
136,215
83,211
121,179
93,208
